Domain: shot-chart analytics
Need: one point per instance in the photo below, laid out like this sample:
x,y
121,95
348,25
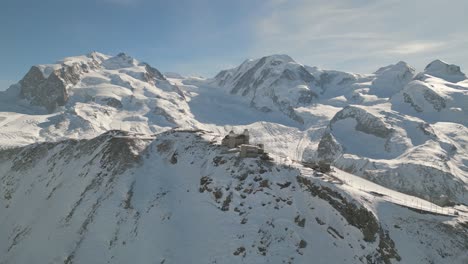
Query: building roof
x,y
235,136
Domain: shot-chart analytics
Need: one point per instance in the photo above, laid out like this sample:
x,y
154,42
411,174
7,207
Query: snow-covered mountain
x,y
113,159
449,72
272,82
85,96
178,198
359,88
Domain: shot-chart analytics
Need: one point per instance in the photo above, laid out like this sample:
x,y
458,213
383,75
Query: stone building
x,y
241,144
233,140
251,151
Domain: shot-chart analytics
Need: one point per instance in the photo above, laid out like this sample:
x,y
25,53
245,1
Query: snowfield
x,y
177,198
116,162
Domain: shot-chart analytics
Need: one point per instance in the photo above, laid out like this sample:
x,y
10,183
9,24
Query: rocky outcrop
x,y
50,91
411,176
50,86
47,85
152,74
120,61
286,108
131,191
160,111
328,149
365,121
359,217
423,98
113,102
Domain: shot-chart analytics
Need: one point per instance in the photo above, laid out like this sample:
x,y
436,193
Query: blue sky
x,y
204,36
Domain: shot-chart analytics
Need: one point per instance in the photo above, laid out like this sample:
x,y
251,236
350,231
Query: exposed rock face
x,y
162,112
284,107
113,102
50,92
359,217
120,61
134,190
328,149
366,122
275,81
152,74
267,71
51,85
355,131
443,70
389,136
422,97
444,194
47,86
130,193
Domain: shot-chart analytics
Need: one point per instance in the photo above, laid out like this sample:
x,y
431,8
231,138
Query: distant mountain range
x,y
105,159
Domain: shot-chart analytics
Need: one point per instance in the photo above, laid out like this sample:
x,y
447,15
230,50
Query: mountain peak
x,y
400,66
50,85
280,57
444,70
97,56
271,61
121,60
274,82
437,63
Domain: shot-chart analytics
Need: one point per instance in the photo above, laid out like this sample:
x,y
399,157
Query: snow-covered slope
x,y
405,132
434,100
84,96
279,83
449,72
177,198
88,78
381,126
391,79
274,82
362,88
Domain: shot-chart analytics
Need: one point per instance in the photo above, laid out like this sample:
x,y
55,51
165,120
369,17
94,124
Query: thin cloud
x,y
413,48
364,32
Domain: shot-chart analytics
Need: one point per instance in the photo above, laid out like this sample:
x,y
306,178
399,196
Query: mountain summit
x,y
110,161
52,85
271,82
443,70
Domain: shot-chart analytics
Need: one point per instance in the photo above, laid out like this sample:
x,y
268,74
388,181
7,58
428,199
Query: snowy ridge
x,y
107,144
449,72
272,82
130,192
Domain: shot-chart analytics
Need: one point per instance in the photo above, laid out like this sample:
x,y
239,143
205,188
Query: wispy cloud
x,y
413,48
363,34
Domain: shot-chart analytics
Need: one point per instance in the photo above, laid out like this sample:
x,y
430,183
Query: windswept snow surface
x,y
398,141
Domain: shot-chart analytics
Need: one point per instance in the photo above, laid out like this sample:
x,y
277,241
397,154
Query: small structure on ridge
x,y
233,140
242,143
